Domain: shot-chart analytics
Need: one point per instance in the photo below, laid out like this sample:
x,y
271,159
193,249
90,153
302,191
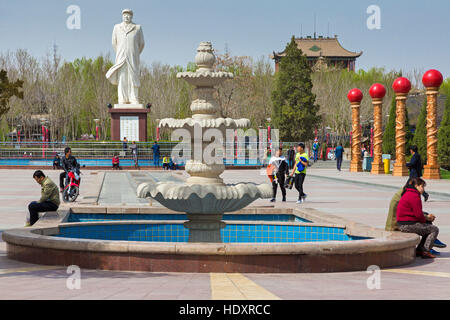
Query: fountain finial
x,y
205,57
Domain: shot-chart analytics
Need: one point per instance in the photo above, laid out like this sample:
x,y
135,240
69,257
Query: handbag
x,y
289,182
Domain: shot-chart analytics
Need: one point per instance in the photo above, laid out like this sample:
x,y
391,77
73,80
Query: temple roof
x,y
316,47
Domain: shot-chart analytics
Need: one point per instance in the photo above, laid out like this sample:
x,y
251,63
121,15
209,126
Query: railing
x,y
237,154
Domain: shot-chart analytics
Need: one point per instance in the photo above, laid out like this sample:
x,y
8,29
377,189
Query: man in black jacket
x,y
291,157
68,163
415,165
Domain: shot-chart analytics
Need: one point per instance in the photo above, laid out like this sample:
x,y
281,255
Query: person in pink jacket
x,y
410,217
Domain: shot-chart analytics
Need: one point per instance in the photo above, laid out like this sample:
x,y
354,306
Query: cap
x,y
127,11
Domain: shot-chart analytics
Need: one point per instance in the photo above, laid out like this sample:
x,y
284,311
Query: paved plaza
x,y
360,197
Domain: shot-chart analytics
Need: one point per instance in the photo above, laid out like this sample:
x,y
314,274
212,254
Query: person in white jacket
x,y
277,169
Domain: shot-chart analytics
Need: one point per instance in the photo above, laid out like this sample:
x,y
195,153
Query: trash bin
x,y
367,162
387,165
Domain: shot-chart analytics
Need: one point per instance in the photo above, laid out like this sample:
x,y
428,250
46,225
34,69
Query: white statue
x,y
128,43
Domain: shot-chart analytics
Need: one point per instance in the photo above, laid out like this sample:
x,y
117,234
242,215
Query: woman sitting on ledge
x,y
411,219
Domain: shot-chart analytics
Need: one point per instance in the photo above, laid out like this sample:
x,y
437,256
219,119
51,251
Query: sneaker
x,y
439,244
304,197
284,199
427,255
272,200
434,252
300,201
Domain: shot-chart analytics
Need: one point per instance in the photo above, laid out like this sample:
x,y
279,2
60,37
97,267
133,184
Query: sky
x,y
413,34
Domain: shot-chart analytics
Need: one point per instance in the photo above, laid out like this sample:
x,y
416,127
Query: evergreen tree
x,y
420,135
294,108
7,90
444,137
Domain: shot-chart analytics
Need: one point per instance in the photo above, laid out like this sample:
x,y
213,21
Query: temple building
x,y
323,52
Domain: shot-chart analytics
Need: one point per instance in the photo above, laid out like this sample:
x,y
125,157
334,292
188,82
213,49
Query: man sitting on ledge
x,y
49,197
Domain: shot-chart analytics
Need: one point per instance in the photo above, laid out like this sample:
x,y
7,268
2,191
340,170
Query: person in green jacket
x,y
391,221
49,200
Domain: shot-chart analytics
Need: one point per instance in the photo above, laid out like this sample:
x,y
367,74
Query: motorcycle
x,y
72,188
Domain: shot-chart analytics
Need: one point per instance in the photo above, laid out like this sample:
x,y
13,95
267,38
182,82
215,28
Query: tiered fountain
x,y
204,196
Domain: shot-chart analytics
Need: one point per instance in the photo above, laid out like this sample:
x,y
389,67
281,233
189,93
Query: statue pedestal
x,y
129,120
431,172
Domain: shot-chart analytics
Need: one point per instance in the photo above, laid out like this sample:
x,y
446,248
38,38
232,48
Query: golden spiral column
x,y
431,169
355,164
377,164
400,136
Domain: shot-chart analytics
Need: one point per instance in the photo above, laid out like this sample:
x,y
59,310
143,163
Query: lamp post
x,y
97,136
377,92
355,96
18,133
157,130
43,120
401,87
432,80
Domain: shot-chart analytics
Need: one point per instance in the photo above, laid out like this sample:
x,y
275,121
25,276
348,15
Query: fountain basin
x,y
359,246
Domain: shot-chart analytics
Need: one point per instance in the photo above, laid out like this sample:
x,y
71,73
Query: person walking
x,y
125,144
315,148
49,200
339,153
291,157
415,166
411,219
278,167
134,153
299,171
155,149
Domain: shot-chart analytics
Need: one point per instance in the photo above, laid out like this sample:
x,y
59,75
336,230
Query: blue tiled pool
x,y
232,233
89,217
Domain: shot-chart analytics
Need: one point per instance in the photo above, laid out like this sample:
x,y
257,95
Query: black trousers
x,y
62,178
35,207
281,180
298,180
339,163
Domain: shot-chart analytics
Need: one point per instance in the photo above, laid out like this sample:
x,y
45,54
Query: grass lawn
x,y
445,174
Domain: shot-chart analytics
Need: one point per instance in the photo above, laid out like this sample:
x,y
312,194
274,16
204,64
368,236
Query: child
x,y
166,161
115,162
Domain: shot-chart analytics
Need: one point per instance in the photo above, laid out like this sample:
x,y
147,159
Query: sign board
x,y
129,128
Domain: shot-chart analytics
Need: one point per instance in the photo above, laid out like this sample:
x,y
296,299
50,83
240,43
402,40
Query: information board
x,y
129,128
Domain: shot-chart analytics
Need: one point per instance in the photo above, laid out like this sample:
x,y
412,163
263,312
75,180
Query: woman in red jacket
x,y
410,217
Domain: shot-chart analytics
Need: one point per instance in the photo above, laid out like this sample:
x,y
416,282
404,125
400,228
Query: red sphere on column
x,y
432,78
377,91
401,85
355,95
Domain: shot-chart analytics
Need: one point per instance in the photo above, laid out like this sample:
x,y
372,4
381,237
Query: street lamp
x,y
18,132
157,129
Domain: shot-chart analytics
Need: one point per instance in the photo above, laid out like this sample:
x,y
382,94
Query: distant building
x,y
322,52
